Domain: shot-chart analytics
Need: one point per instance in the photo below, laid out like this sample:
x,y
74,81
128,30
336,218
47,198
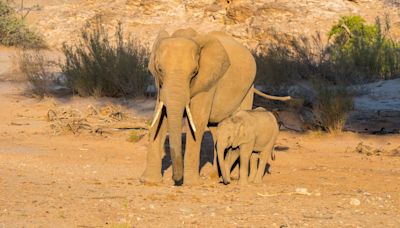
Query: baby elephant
x,y
242,134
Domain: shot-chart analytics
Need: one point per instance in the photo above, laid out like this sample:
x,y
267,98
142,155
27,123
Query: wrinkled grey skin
x,y
194,74
251,135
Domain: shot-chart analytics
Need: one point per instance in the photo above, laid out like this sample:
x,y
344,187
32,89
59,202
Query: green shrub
x,y
366,49
334,104
13,30
356,53
96,67
135,136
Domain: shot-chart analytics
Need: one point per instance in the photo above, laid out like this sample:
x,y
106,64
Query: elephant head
x,y
230,133
183,65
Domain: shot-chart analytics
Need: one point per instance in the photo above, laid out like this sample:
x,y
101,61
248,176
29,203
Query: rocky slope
x,y
250,21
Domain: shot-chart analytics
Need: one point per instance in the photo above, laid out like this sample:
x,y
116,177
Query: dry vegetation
x,y
14,31
36,67
355,53
96,67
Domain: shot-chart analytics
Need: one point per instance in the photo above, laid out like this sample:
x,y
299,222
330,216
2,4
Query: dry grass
x,y
334,104
96,67
36,69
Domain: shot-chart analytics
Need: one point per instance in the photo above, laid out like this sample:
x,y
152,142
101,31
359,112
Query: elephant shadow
x,y
206,153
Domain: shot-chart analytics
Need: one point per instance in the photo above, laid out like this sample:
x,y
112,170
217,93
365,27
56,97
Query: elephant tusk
x,y
158,113
189,115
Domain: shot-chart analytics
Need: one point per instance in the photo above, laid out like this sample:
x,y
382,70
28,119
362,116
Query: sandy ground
x,y
92,180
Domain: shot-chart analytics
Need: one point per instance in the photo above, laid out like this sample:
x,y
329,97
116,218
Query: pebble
x,y
302,191
355,202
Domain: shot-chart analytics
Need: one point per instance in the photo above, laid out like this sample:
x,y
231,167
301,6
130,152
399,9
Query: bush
x,y
356,53
367,49
13,30
290,59
334,104
35,67
95,67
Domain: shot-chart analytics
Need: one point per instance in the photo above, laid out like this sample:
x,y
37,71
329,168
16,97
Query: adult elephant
x,y
208,77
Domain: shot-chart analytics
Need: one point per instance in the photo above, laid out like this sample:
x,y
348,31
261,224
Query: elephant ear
x,y
213,63
161,36
239,136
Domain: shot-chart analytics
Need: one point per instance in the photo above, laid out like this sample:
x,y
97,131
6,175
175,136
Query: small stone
x,y
355,202
302,191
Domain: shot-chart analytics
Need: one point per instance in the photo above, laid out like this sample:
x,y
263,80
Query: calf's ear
x,y
239,136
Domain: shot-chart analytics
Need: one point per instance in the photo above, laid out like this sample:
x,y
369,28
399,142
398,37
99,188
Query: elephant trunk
x,y
222,162
175,113
176,98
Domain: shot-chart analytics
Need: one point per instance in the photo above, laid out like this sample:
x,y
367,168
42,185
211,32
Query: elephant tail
x,y
271,97
273,156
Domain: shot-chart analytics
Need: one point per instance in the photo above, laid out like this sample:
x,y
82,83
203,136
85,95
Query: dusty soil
x,y
88,179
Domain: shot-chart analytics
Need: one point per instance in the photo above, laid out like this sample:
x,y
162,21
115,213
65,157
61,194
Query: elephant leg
x,y
214,173
231,157
200,106
263,162
231,161
253,166
155,153
245,152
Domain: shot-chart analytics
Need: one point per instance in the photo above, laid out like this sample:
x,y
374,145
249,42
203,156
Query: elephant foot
x,y
150,178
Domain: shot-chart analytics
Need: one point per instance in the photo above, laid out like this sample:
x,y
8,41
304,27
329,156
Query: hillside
x,y
250,21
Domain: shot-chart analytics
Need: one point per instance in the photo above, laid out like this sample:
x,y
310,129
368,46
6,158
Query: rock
x,y
302,191
368,150
228,209
355,202
395,152
239,13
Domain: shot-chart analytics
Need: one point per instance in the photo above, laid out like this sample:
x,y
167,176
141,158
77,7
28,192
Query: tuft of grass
x,y
334,105
96,67
135,136
14,31
35,67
